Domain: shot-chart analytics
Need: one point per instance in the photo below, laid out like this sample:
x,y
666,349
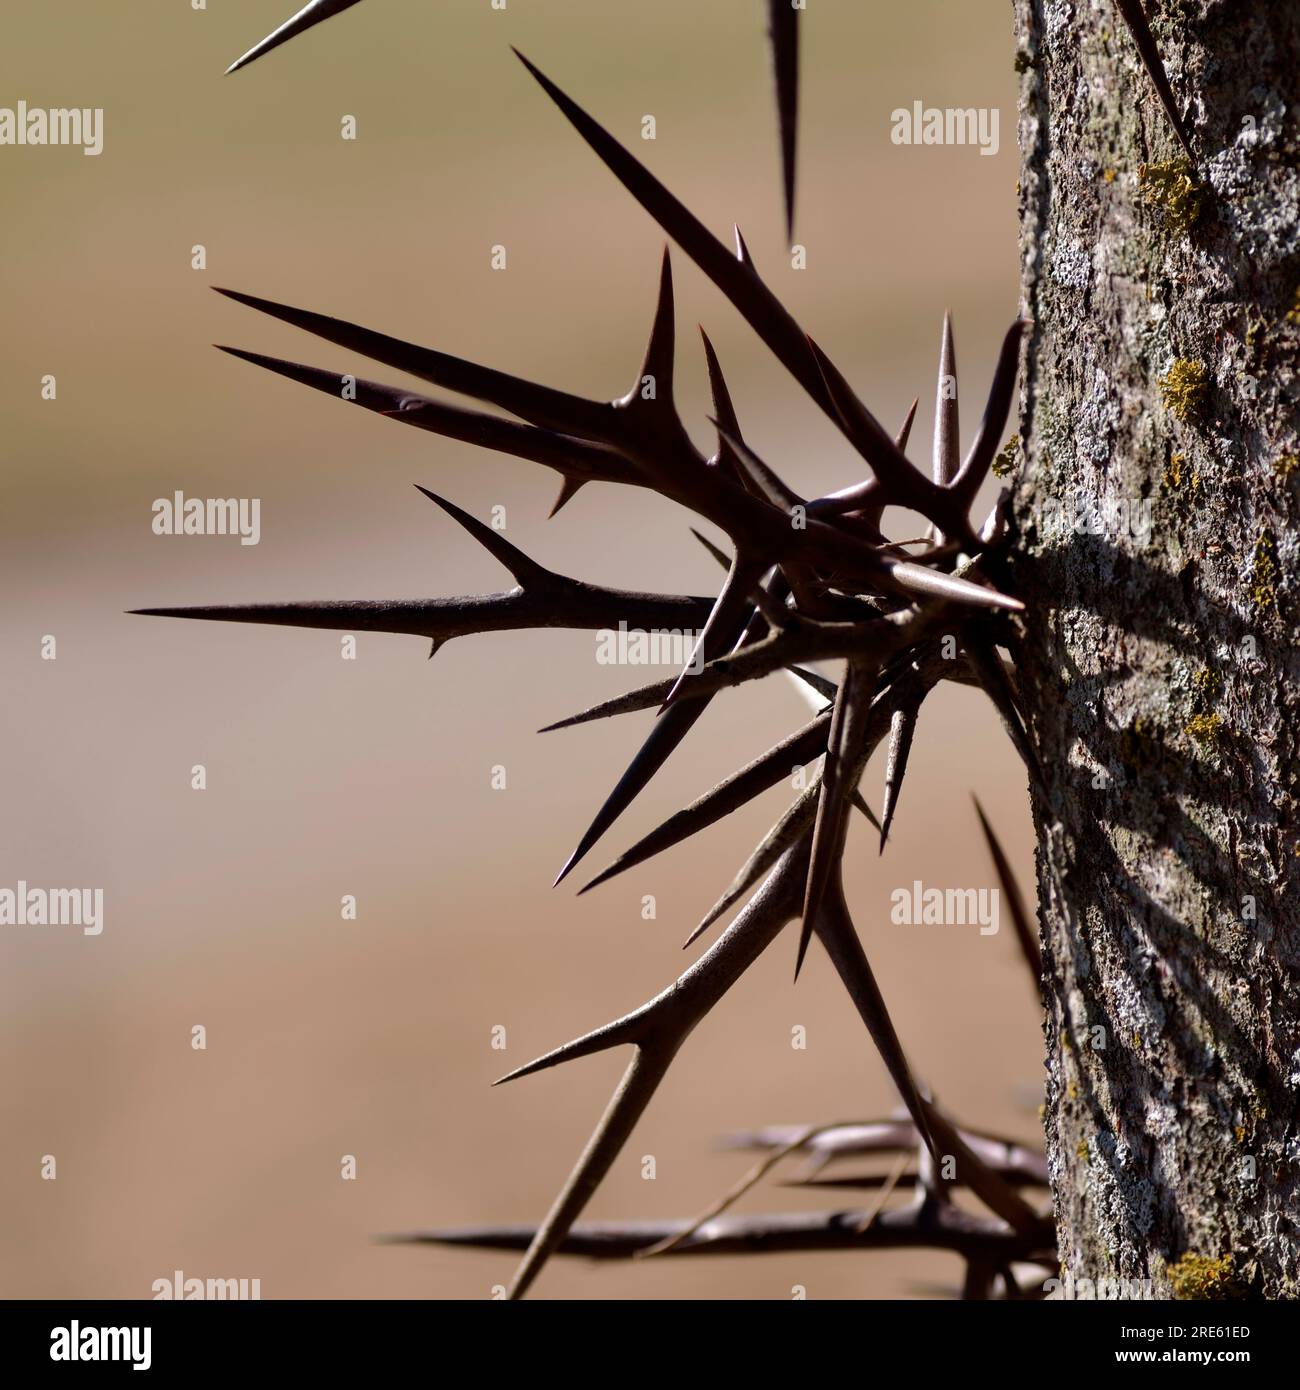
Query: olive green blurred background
x,y
371,777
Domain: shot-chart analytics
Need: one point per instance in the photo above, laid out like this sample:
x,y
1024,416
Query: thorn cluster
x,y
807,580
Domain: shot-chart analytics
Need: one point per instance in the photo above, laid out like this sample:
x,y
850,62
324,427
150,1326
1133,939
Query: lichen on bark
x,y
1159,557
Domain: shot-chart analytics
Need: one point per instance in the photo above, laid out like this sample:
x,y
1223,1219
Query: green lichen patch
x,y
1185,388
1173,190
1200,1278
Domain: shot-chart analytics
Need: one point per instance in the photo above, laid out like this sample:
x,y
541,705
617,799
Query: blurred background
x,y
372,777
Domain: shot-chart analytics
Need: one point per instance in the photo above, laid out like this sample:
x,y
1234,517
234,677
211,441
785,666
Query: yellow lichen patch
x,y
1205,729
1005,461
1177,474
1198,1277
1184,387
1263,573
1293,313
1108,175
1172,188
1239,1134
1285,465
1081,1149
1206,686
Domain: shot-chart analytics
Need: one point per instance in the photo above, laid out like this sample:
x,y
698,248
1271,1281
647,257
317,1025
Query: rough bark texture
x,y
1160,669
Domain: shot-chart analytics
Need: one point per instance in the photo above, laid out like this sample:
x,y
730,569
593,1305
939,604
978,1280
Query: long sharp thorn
x,y
1026,929
946,1228
584,607
660,1029
918,579
783,32
734,275
623,1030
668,732
307,18
905,429
837,934
901,731
947,426
723,410
540,405
992,676
1135,17
644,1073
526,570
993,426
846,740
729,795
657,364
580,460
647,697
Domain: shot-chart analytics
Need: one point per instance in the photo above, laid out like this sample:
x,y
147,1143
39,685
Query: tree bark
x,y
1158,666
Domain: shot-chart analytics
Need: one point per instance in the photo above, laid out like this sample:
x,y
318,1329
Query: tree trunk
x,y
1159,666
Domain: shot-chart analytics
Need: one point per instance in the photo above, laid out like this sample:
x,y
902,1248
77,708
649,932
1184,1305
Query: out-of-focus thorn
x,y
783,31
307,18
1135,17
1026,928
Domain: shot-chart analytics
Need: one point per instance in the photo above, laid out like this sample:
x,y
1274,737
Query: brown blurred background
x,y
371,777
